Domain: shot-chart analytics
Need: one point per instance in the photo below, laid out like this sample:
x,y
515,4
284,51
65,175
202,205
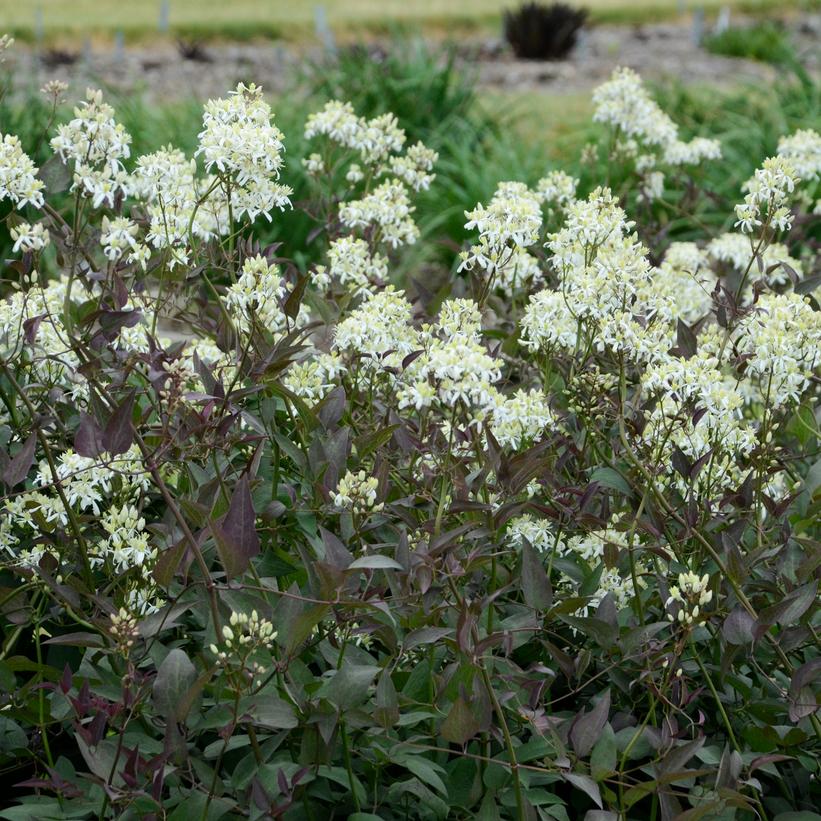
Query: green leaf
x,y
175,677
460,725
56,175
375,562
536,588
425,770
588,726
119,431
603,757
586,785
387,702
608,477
270,711
18,467
12,736
738,627
349,686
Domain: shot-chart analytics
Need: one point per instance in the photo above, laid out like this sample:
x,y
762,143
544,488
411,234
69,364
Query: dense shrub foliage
x,y
311,540
536,31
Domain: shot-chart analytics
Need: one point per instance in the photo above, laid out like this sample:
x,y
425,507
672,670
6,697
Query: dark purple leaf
x,y
239,540
119,431
20,464
88,441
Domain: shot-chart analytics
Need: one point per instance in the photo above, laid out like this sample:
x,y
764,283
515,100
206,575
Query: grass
x,y
250,19
764,41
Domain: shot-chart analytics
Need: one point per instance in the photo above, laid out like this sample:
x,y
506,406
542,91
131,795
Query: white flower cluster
x,y
589,547
53,361
606,286
768,196
378,141
241,144
357,492
379,331
255,299
314,377
737,251
351,263
18,174
387,211
88,486
557,188
510,223
96,145
124,630
415,167
685,277
521,271
180,207
699,412
803,151
781,341
624,103
119,239
243,637
691,594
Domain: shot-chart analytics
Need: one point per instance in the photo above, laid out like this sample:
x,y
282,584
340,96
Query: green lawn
x,y
294,19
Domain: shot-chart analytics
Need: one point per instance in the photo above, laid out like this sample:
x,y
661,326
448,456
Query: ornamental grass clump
x,y
302,539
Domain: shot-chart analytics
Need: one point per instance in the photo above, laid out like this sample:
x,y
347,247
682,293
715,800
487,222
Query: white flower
x,y
414,167
388,208
624,103
351,263
520,419
357,492
119,236
18,174
29,238
768,196
557,188
96,144
239,141
255,299
782,339
510,222
337,120
379,330
803,151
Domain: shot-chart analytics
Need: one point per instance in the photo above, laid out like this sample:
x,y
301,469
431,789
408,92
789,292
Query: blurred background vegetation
x,y
295,19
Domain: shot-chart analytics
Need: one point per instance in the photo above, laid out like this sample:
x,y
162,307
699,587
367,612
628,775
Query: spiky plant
x,y
539,32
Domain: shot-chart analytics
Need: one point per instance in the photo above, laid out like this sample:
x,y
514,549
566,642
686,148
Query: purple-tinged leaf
x,y
88,441
118,435
238,540
738,627
790,609
536,587
19,466
587,727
